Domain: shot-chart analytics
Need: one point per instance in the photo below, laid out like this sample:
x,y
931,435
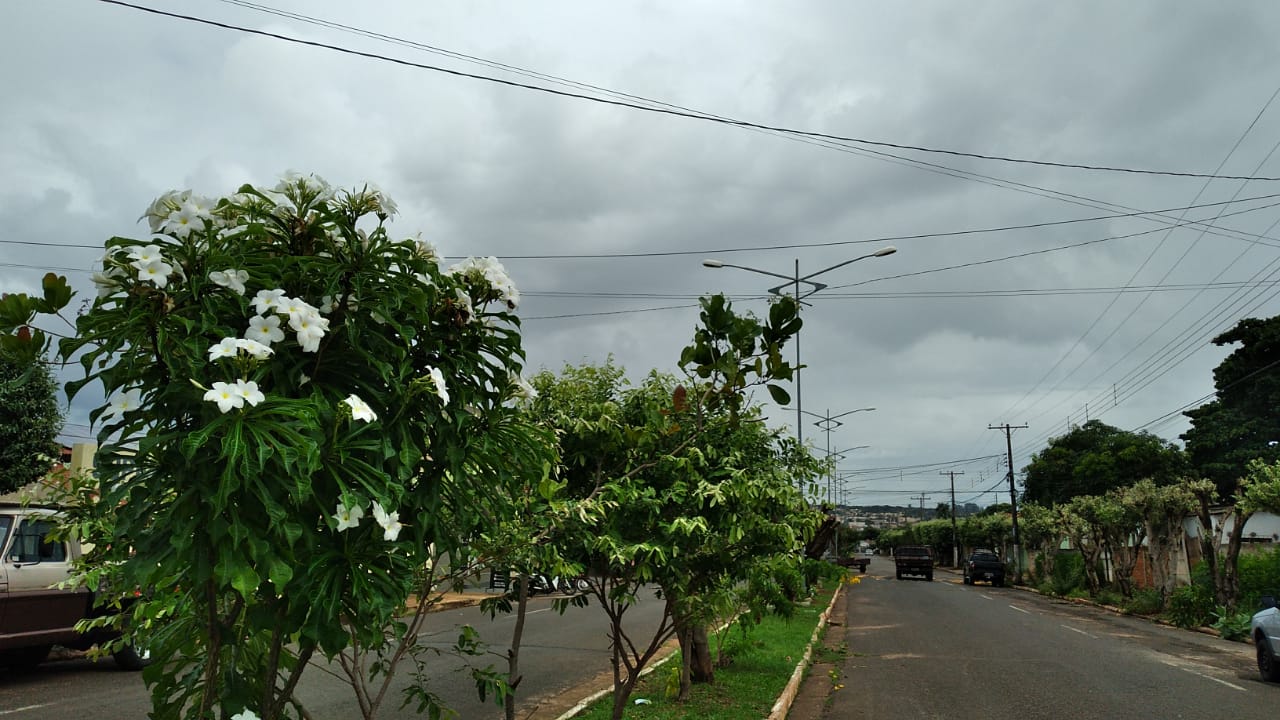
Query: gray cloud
x,y
112,107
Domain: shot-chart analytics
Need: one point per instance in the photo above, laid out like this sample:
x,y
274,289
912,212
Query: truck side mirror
x,y
1268,601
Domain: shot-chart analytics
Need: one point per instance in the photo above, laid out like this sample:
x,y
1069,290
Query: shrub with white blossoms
x,y
276,367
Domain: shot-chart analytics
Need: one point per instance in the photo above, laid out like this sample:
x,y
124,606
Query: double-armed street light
x,y
827,423
794,281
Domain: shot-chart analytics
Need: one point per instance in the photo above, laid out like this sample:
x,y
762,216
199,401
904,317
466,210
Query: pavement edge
x,y
783,705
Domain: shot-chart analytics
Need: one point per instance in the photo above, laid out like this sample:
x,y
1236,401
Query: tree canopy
x,y
1240,423
29,421
1094,458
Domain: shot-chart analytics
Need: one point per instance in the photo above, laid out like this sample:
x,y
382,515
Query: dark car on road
x,y
984,565
913,560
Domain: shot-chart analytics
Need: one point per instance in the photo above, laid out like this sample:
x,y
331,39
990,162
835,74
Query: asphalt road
x,y
558,652
941,649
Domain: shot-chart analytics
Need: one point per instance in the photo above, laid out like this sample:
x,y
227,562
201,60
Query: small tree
x,y
1259,490
29,421
1162,510
280,368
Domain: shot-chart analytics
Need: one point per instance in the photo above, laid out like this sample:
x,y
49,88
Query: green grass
x,y
762,663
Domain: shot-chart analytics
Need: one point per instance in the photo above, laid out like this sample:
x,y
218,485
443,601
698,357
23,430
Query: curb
x,y
788,696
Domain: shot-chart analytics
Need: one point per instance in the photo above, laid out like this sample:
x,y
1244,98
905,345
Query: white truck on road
x,y
35,615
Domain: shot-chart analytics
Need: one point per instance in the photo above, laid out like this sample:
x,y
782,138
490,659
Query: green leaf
x,y
780,395
57,293
280,573
245,579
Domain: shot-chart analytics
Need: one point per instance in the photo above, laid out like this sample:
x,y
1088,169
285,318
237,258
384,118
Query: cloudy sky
x,y
604,214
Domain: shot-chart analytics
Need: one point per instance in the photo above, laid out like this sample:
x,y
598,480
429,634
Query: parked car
x,y
1265,629
913,560
35,615
984,565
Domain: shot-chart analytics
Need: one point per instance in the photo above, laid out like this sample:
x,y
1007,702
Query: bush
x,y
1232,625
815,570
1190,606
1109,597
1068,574
1144,602
1259,575
1078,594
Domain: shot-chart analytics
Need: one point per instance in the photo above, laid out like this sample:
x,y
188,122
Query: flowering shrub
x,y
279,372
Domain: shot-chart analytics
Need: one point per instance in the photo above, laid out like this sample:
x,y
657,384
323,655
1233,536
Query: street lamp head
x,y
713,263
885,251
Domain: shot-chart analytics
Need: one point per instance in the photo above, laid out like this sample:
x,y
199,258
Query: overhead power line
x,y
879,155
679,113
1042,251
887,238
794,246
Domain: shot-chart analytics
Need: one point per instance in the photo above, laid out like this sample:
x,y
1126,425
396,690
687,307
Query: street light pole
x,y
829,422
794,281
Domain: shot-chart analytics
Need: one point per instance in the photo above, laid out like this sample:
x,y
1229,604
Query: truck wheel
x,y
899,574
998,582
27,658
132,658
928,576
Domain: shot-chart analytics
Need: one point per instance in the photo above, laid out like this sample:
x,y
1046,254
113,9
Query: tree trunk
x,y
513,654
703,667
1230,565
1208,543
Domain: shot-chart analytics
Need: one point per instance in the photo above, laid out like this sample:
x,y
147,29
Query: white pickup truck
x,y
34,614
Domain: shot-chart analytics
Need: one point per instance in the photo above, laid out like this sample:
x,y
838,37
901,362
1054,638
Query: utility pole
x,y
921,497
955,534
1013,497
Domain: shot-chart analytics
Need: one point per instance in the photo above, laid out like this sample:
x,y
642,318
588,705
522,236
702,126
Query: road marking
x,y
23,709
986,596
1095,637
1015,607
1207,677
512,615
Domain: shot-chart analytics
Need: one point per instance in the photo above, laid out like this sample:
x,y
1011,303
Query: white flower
x,y
225,348
156,271
310,184
427,249
348,517
264,329
202,205
464,302
230,278
522,389
310,328
108,281
123,402
390,522
294,307
254,348
248,391
360,410
489,270
267,300
160,208
246,714
225,395
144,255
183,220
437,379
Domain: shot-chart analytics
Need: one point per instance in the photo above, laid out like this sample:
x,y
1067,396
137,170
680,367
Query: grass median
x,y
762,661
